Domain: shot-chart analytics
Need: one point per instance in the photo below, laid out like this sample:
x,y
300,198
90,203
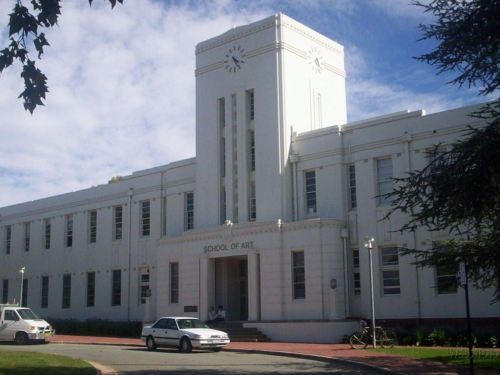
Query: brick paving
x,y
394,363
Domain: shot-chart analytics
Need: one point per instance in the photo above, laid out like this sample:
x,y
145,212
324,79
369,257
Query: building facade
x,y
267,220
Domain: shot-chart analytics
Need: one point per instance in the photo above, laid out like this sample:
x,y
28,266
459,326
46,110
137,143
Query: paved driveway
x,y
138,361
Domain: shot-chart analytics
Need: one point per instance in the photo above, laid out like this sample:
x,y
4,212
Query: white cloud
x,y
121,96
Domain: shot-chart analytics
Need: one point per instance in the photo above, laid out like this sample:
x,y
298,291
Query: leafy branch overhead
x,y
459,191
25,28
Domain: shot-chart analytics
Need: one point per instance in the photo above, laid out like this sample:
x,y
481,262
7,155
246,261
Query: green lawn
x,y
28,363
483,359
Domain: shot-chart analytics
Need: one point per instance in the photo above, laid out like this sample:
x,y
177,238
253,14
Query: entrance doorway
x,y
231,286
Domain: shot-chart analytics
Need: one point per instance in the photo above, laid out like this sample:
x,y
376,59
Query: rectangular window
x,y
66,296
24,302
69,231
45,292
352,187
356,272
143,284
252,205
222,156
90,289
384,181
222,205
116,291
145,218
310,177
164,217
390,270
251,105
222,113
298,274
251,146
174,282
188,211
5,291
222,129
446,278
27,229
8,238
47,230
92,226
117,222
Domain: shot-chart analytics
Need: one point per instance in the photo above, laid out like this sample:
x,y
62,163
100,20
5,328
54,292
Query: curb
x,y
103,370
321,358
94,343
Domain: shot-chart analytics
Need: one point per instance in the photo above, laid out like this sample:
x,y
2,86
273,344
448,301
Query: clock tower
x,y
255,85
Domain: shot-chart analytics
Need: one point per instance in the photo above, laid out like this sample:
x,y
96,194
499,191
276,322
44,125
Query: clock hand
x,y
236,61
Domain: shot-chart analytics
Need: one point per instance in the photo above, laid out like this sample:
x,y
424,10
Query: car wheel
x,y
217,349
185,346
150,343
21,338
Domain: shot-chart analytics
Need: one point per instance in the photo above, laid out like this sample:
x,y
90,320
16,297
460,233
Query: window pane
x,y
390,256
298,275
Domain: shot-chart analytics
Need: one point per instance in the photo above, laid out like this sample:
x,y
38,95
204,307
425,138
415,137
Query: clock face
x,y
234,59
315,60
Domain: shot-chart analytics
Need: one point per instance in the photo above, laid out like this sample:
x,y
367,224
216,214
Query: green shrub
x,y
439,337
96,327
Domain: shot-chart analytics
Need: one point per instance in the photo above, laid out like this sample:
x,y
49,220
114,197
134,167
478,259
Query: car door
x,y
172,333
9,325
159,332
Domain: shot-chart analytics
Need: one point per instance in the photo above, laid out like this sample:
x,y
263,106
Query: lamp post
x,y
21,271
369,242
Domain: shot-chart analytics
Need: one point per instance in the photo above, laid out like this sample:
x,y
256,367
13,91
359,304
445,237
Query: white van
x,y
21,325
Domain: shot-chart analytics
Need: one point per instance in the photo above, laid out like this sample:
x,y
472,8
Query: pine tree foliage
x,y
459,191
25,25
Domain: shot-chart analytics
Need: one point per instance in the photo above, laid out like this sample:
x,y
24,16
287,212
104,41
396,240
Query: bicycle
x,y
360,340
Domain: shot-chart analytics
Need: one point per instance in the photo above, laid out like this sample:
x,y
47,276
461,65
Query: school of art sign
x,y
228,247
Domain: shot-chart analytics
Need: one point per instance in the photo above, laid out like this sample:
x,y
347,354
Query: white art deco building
x,y
268,219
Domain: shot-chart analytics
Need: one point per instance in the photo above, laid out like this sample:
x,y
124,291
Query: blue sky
x,y
122,83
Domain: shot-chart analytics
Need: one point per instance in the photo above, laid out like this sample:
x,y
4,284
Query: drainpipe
x,y
347,299
130,193
407,138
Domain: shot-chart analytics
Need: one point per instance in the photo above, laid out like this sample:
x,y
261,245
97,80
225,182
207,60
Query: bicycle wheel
x,y
387,339
358,340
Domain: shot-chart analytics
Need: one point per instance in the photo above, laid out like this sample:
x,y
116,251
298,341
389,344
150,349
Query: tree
x,y
459,191
26,26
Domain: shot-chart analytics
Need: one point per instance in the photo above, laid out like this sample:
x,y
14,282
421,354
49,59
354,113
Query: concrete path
x,y
389,362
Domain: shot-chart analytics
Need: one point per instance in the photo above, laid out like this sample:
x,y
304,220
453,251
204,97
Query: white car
x,y
184,333
22,325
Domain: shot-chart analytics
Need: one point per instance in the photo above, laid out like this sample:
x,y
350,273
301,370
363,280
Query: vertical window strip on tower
x,y
164,217
310,178
116,288
69,231
384,180
234,126
66,296
93,226
117,222
189,210
390,270
252,206
174,282
298,274
27,229
91,289
352,187
145,218
251,137
44,303
251,105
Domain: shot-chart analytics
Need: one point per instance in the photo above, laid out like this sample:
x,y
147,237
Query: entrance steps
x,y
238,333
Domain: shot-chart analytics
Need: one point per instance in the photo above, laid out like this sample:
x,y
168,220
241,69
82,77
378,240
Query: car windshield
x,y
190,323
27,314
